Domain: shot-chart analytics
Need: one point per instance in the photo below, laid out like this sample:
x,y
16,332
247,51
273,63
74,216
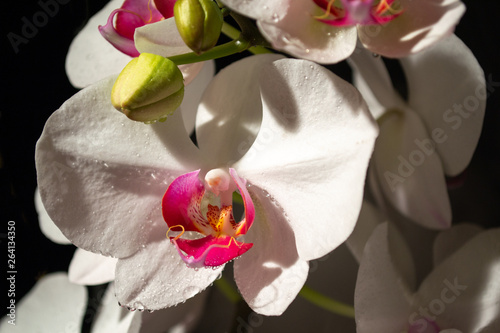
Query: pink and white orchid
x,y
326,31
461,294
431,135
295,140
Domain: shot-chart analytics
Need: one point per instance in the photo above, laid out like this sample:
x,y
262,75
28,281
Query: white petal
x,y
194,91
230,112
102,176
113,318
382,298
290,26
92,58
156,277
47,226
449,241
53,305
315,141
466,285
422,24
410,172
270,275
369,218
447,88
260,9
372,79
88,268
161,38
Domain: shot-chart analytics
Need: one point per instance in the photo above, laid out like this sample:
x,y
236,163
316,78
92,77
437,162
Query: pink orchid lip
x,y
354,12
424,325
132,15
184,205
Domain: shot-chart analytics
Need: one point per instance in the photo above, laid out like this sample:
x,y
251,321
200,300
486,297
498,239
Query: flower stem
x,y
224,50
232,32
326,303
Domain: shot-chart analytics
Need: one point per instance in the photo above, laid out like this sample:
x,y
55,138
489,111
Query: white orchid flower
x,y
297,135
461,293
327,31
428,137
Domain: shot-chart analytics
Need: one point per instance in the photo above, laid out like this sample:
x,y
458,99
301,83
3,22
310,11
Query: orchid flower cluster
x,y
164,174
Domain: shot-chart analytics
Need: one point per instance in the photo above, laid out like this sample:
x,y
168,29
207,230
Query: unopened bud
x,y
148,89
199,23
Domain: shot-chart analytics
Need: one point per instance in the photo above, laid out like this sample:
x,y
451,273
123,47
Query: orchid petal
x,y
90,57
121,43
382,297
373,81
290,26
156,277
467,284
110,173
270,276
231,120
88,268
210,251
181,203
447,88
194,89
409,172
369,218
161,38
449,241
244,225
53,301
47,226
113,318
315,141
421,24
165,7
135,14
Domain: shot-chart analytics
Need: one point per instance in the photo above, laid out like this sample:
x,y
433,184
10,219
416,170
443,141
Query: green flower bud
x,y
199,23
148,89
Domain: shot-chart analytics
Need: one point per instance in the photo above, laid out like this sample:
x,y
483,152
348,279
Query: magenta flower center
x,y
204,208
342,13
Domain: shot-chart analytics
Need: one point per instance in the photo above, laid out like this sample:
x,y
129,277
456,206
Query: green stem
x,y
234,33
326,302
224,50
228,290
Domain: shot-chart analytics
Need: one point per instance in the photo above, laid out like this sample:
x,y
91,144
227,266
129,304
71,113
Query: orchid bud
x,y
199,23
148,89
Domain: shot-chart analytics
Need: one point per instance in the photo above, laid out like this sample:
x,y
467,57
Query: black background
x,y
34,84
